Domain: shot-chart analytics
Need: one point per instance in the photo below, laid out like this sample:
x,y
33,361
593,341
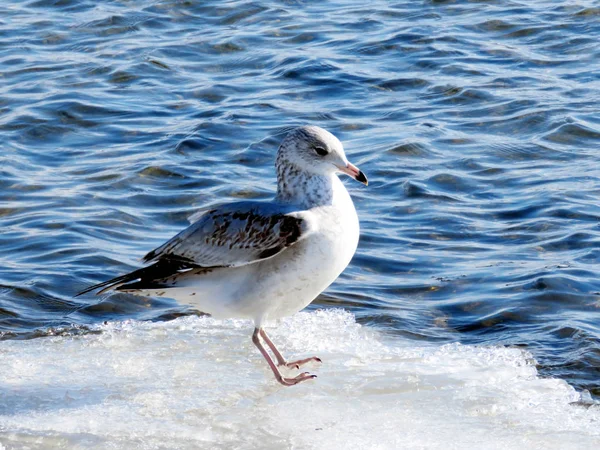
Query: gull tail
x,y
159,274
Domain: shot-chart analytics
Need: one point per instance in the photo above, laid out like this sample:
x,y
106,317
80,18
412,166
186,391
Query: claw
x,y
298,379
258,333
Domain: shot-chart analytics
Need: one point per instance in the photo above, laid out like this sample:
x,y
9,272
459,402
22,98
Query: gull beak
x,y
354,172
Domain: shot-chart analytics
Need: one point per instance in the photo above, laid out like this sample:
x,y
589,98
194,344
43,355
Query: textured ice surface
x,y
200,383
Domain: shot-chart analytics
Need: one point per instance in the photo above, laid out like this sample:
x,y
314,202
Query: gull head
x,y
316,151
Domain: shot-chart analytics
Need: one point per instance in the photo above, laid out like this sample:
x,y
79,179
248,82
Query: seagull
x,y
262,260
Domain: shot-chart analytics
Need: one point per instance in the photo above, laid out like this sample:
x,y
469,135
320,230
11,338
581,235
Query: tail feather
x,y
146,277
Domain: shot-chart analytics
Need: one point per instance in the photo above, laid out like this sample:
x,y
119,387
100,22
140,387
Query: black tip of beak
x,y
362,178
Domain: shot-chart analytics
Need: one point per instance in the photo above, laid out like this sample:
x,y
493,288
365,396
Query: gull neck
x,y
301,188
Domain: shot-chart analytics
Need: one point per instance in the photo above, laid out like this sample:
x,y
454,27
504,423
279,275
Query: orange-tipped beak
x,y
355,173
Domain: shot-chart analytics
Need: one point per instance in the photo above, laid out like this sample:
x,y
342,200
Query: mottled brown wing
x,y
235,234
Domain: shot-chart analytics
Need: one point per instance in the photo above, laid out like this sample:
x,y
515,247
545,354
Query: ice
x,y
196,382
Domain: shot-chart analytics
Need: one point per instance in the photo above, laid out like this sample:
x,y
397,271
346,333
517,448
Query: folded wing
x,y
231,235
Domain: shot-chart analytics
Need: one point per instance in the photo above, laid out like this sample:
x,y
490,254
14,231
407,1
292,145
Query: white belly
x,y
293,280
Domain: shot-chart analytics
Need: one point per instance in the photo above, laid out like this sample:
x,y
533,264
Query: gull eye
x,y
320,151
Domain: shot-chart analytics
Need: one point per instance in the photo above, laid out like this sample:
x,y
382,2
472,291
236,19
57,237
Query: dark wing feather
x,y
234,235
149,277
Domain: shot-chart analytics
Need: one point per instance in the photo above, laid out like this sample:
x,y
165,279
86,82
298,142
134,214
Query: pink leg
x,y
280,359
285,381
300,362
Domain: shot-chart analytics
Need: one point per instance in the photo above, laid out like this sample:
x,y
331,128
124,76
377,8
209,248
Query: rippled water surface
x,y
476,122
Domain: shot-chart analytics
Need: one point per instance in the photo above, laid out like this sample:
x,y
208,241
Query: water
x,y
473,300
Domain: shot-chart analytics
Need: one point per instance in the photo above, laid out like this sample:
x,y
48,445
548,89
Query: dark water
x,y
476,122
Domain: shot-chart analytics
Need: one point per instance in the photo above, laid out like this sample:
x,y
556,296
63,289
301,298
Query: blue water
x,y
476,122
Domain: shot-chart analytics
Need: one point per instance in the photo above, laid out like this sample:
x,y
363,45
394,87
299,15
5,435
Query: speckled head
x,y
315,151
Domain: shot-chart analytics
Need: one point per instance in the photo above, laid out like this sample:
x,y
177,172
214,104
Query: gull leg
x,y
280,359
285,381
299,363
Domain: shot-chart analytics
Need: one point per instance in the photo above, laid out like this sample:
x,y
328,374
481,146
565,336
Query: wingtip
x,y
105,285
85,291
